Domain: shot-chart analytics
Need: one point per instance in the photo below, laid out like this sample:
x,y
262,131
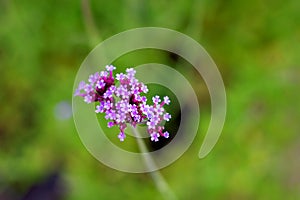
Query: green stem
x,y
91,28
158,179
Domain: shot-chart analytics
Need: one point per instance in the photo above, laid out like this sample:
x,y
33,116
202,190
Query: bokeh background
x,y
255,45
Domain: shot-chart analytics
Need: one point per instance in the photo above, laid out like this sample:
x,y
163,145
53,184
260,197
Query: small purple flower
x,y
167,116
166,134
121,136
110,114
100,84
159,110
144,88
88,88
167,100
110,124
124,104
156,99
77,92
154,137
120,77
130,72
99,108
103,74
108,94
110,67
88,98
94,78
151,124
81,85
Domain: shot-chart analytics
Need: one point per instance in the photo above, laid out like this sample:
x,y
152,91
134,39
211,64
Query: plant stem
x,y
90,25
158,179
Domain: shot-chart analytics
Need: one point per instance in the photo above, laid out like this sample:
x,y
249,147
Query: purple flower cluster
x,y
123,103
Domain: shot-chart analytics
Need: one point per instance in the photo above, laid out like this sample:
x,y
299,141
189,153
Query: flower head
x,y
124,104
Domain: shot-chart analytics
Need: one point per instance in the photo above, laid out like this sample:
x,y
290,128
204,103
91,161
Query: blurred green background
x,y
255,45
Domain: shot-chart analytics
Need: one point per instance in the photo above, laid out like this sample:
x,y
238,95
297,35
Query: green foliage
x,y
255,46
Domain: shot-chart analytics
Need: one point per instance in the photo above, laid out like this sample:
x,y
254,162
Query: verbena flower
x,y
124,103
